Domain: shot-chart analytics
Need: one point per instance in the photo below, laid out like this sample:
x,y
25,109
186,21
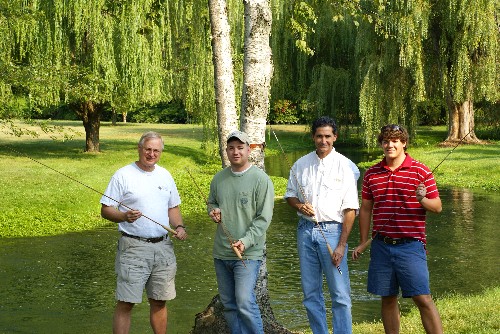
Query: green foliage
x,y
302,24
172,112
469,49
431,112
123,54
283,112
488,120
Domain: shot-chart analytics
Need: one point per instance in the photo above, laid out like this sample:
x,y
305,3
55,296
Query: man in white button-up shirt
x,y
322,188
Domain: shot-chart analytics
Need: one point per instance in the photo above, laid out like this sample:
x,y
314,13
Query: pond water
x,y
65,284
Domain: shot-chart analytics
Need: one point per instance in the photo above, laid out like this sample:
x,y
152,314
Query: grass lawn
x,y
38,201
478,314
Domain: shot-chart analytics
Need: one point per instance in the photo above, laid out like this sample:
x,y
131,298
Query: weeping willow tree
x,y
443,48
314,57
410,51
92,54
465,50
390,54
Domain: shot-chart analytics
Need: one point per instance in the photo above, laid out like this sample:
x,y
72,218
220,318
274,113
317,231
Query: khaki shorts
x,y
140,265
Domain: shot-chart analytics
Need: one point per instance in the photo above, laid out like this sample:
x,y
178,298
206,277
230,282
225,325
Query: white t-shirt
x,y
152,193
329,185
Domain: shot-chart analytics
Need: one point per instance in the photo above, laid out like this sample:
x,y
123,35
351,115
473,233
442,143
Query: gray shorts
x,y
140,265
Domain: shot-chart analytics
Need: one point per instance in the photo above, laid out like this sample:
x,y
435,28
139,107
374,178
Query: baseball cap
x,y
241,136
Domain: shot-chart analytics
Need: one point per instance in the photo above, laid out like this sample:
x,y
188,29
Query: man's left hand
x,y
338,254
241,247
181,233
420,192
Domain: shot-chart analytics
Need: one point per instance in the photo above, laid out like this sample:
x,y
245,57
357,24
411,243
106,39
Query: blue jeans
x,y
236,286
315,261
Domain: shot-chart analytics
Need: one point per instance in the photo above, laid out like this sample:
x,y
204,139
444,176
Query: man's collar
x,y
329,156
407,162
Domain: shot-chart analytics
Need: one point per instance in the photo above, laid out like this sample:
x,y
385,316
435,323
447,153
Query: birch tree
x,y
225,99
257,74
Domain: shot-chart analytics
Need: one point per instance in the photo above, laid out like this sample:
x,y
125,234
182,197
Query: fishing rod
x,y
89,187
330,250
222,225
368,242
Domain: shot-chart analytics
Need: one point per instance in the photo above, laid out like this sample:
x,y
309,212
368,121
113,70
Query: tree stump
x,y
212,321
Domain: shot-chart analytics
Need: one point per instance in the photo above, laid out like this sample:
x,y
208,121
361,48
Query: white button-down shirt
x,y
328,184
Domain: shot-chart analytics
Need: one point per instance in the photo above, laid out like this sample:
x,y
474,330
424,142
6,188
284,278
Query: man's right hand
x,y
306,209
132,215
358,251
215,214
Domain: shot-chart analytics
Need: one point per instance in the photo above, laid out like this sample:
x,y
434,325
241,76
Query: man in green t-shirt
x,y
241,202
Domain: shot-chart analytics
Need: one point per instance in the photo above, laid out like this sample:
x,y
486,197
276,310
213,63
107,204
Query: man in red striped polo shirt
x,y
397,192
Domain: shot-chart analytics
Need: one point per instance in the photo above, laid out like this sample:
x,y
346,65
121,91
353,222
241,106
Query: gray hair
x,y
151,135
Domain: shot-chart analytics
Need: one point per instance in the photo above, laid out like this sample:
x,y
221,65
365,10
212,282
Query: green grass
x,y
471,314
479,314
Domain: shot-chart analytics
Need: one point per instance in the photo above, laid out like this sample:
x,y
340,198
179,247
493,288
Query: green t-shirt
x,y
246,202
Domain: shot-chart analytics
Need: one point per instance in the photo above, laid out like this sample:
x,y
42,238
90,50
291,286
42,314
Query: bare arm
x,y
432,205
175,220
338,254
365,214
112,214
304,208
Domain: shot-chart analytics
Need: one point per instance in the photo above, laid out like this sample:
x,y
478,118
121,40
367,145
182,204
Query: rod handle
x,y
168,229
330,250
238,254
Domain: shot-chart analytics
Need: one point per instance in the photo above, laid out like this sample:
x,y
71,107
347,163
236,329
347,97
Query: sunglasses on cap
x,y
392,127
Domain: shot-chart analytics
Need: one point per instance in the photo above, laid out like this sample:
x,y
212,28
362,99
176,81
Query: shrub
x,y
284,112
172,112
431,112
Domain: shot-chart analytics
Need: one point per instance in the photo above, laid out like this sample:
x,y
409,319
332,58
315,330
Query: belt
x,y
152,240
325,222
394,241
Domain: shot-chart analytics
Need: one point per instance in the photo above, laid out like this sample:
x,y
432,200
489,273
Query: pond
x,y
65,284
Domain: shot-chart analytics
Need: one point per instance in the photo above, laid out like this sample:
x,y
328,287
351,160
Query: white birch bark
x,y
257,73
225,99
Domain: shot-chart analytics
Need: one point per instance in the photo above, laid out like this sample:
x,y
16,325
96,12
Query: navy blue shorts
x,y
398,266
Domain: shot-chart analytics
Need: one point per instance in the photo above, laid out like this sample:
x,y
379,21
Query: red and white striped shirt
x,y
396,211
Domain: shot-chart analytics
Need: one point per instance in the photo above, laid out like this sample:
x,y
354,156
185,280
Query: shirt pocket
x,y
333,183
243,199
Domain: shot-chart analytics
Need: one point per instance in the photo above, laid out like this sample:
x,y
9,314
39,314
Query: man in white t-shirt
x,y
141,197
322,188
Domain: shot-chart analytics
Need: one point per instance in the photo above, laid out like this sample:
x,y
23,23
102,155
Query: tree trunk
x,y
257,73
225,100
461,122
255,108
91,117
113,116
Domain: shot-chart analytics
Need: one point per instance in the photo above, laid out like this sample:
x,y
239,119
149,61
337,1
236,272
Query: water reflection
x,y
65,284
